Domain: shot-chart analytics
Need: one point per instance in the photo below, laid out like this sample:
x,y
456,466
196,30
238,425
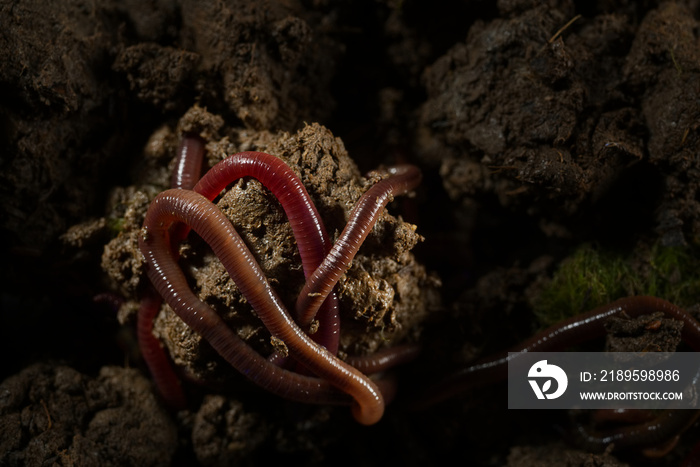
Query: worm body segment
x,y
364,215
567,333
309,231
209,222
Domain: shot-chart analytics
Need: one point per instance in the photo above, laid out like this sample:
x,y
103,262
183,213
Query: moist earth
x,y
539,127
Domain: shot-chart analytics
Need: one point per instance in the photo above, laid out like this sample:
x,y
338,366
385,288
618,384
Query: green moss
x,y
115,225
591,277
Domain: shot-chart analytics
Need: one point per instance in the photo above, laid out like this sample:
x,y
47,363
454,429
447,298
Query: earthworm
x,y
188,164
401,179
564,334
571,332
384,359
626,416
304,219
188,168
663,428
210,223
657,435
156,359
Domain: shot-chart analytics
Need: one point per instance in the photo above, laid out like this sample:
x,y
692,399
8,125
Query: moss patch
x,y
593,276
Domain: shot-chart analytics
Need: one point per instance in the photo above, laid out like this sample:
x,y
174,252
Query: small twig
x,y
562,29
48,415
679,70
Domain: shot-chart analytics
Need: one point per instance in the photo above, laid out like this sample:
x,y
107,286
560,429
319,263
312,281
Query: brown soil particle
x,y
664,64
55,132
648,333
559,455
223,433
158,75
260,58
514,103
52,414
551,121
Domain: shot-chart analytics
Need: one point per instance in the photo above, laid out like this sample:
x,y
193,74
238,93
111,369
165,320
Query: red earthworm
x,y
662,429
384,359
309,231
188,167
571,332
364,215
657,435
285,185
659,450
209,222
188,164
626,416
113,300
567,333
388,385
156,359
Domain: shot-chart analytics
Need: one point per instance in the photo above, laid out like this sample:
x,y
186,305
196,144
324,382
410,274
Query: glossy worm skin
x,y
657,435
661,429
384,359
625,416
567,333
364,215
309,231
156,359
188,166
210,223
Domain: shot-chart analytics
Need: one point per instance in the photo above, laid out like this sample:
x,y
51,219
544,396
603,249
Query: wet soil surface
x,y
539,127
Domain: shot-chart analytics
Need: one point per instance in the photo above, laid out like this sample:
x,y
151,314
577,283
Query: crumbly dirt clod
x,y
259,58
158,75
551,122
647,333
559,455
55,132
223,433
384,296
52,414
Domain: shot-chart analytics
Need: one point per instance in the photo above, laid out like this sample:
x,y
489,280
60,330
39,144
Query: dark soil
x,y
539,127
54,414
